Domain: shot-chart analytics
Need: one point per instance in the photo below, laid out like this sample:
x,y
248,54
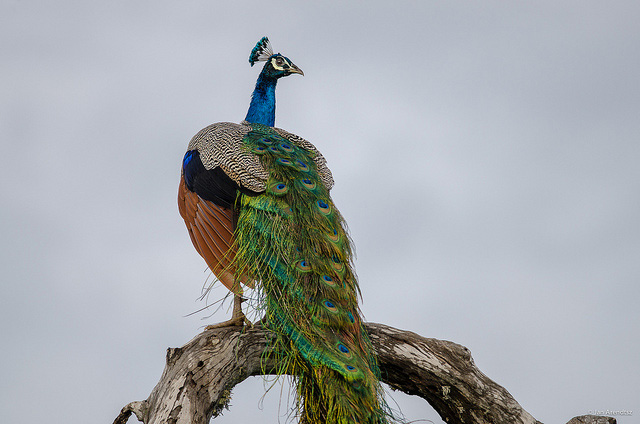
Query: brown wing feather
x,y
211,230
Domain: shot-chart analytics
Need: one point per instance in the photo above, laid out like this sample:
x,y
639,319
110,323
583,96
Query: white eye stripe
x,y
274,63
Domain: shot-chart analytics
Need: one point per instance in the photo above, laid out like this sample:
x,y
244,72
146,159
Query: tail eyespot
x,y
303,265
333,236
328,280
337,266
308,183
344,351
330,306
324,207
278,188
286,147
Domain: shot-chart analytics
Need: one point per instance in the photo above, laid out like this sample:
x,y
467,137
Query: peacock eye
x,y
279,61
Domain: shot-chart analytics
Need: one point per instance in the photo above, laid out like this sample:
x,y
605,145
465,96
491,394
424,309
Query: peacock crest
x,y
261,52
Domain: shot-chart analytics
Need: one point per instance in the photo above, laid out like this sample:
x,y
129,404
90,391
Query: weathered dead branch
x,y
198,378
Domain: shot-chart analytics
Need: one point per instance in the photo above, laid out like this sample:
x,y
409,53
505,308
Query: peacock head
x,y
277,65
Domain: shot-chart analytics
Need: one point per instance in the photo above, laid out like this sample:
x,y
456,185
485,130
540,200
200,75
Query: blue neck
x,y
263,102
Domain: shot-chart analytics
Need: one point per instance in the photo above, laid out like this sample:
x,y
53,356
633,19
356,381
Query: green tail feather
x,y
292,240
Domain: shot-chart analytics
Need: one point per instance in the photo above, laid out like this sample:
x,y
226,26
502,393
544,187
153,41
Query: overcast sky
x,y
486,158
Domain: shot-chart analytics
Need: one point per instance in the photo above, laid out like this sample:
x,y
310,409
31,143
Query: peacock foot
x,y
238,318
236,321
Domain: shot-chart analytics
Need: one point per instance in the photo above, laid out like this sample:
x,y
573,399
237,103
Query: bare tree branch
x,y
198,378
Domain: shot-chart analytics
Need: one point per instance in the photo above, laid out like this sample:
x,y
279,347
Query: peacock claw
x,y
238,319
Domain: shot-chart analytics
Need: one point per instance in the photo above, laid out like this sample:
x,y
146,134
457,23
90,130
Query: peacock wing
x,y
221,145
211,230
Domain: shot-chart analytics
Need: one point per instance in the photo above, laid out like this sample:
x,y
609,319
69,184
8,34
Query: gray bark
x,y
198,378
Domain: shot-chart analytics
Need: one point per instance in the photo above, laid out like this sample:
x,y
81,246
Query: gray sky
x,y
485,155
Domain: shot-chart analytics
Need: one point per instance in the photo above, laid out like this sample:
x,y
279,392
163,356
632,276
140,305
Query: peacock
x,y
255,200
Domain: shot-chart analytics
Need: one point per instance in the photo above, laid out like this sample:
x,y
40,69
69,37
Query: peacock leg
x,y
237,318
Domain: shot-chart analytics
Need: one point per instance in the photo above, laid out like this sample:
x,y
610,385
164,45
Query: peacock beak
x,y
295,70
